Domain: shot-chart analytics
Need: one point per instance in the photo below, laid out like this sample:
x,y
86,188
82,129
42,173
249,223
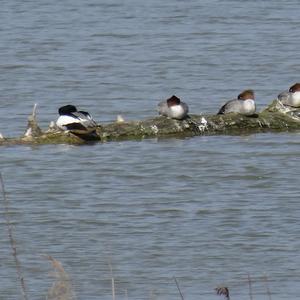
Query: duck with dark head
x,y
77,122
292,97
244,104
173,108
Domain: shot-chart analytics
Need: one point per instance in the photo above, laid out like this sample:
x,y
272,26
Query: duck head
x,y
295,94
67,109
173,101
295,88
246,95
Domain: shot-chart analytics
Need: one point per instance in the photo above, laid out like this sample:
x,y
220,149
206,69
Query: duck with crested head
x,y
173,108
77,122
244,104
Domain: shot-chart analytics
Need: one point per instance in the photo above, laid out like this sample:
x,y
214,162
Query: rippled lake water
x,y
206,210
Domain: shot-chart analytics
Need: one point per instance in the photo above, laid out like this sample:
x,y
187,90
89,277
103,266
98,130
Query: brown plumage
x,y
223,291
295,88
247,94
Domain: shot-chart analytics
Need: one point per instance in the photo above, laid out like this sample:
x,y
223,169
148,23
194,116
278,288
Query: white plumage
x,y
292,97
78,122
244,104
173,108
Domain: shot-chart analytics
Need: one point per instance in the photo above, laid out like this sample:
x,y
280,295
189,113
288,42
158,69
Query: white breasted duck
x,y
295,94
173,108
244,104
292,98
77,122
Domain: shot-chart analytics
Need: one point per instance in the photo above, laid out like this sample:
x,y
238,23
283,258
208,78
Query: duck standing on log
x,y
77,122
292,97
173,108
244,104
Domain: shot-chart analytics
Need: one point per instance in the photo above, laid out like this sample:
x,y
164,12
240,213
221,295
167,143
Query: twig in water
x,y
178,288
113,288
12,241
267,286
152,295
223,291
250,287
33,128
112,281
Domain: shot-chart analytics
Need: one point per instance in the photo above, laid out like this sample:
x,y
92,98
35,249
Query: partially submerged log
x,y
276,117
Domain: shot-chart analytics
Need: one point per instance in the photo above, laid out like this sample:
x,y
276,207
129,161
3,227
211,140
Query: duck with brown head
x,y
292,97
173,108
244,104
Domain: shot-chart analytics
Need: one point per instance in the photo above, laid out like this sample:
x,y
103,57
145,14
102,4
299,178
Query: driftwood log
x,y
276,117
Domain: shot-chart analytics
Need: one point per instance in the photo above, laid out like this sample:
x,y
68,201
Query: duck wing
x,y
227,107
163,108
85,119
76,127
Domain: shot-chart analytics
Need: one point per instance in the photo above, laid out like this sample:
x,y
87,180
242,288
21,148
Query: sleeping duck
x,y
292,97
244,104
77,122
173,108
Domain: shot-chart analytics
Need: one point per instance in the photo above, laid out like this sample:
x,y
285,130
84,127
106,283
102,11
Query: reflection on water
x,y
207,210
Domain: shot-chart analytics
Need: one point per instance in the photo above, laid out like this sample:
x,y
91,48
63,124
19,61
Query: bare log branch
x,y
276,117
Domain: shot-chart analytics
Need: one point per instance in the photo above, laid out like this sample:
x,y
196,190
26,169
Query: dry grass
x,y
180,293
62,288
12,241
250,287
223,291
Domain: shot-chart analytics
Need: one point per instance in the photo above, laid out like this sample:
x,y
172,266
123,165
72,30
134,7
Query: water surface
x,y
207,210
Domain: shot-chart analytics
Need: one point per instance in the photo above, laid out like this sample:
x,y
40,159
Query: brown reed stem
x,y
267,287
12,240
181,295
250,287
